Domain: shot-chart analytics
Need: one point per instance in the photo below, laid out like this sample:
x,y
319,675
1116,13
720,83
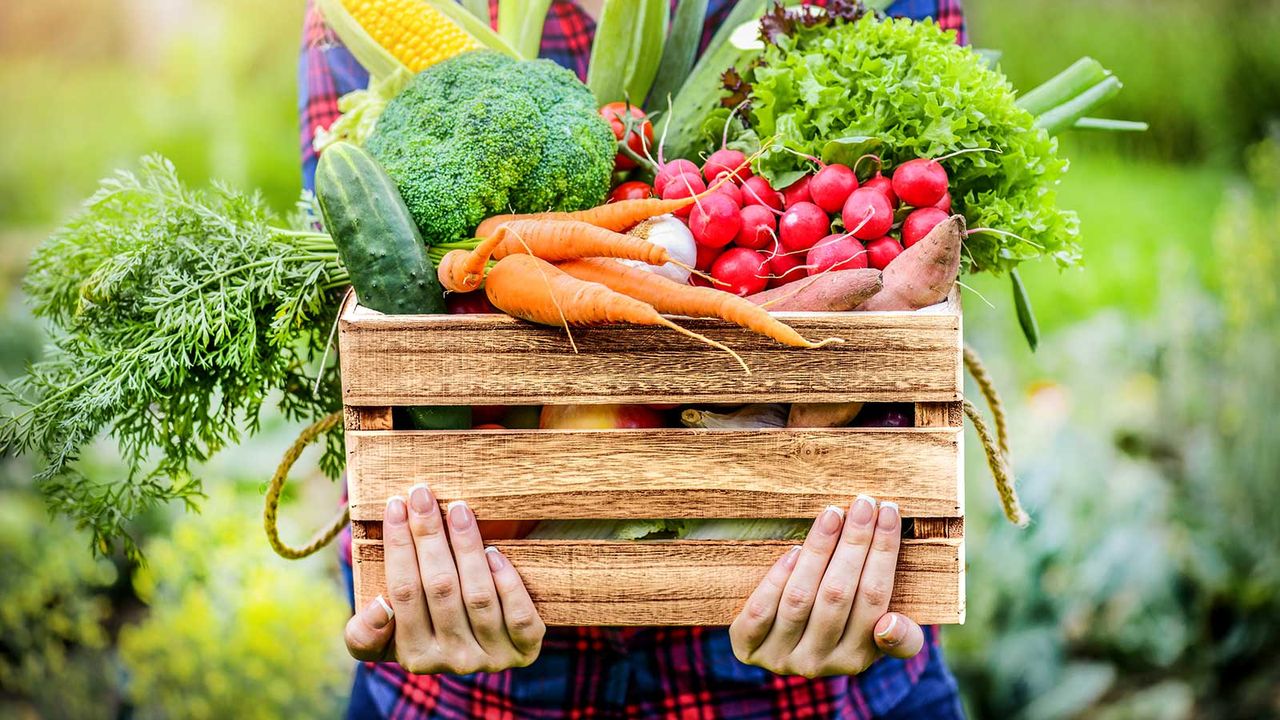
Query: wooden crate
x,y
661,473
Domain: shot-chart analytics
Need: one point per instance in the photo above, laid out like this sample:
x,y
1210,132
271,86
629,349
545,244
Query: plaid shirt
x,y
676,673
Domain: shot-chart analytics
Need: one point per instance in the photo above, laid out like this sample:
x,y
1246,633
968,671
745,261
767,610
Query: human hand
x,y
821,610
458,609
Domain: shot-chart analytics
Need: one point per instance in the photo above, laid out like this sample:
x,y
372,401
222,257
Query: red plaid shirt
x,y
675,673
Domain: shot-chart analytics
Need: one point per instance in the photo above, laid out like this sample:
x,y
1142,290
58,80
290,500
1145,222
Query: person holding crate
x,y
813,640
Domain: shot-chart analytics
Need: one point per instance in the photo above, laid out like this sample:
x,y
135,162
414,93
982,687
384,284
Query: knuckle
x,y
479,601
806,667
463,662
860,660
797,599
884,542
526,623
441,586
876,594
403,592
836,593
398,539
757,611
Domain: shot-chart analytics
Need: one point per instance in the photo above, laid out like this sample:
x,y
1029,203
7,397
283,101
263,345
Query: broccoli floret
x,y
483,133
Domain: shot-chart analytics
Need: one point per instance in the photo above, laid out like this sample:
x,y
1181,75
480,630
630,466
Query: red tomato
x,y
504,529
631,190
616,113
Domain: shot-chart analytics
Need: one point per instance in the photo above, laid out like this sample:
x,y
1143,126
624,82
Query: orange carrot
x,y
552,240
532,289
672,297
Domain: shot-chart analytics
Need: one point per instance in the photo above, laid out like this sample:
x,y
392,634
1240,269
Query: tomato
x,y
631,190
616,114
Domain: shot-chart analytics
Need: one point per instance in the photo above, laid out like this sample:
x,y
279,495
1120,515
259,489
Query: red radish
x,y
486,414
715,221
706,256
784,268
882,251
670,170
488,426
802,225
885,185
682,186
920,182
836,252
757,191
468,303
631,190
743,271
758,227
699,281
831,186
919,223
867,213
729,190
797,191
945,203
725,160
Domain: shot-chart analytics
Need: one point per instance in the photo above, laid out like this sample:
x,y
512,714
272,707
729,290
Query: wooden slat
x,y
366,418
677,473
495,359
586,582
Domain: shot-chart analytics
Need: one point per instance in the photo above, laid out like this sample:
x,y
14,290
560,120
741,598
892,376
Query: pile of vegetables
x,y
843,157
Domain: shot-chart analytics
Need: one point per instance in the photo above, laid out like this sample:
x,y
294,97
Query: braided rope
x,y
270,513
996,446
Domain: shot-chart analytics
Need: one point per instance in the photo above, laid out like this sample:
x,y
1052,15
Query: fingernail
x,y
790,558
830,520
421,499
378,613
495,558
459,515
864,508
887,634
888,515
396,510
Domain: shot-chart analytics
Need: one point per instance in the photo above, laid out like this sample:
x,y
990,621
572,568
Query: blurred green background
x,y
1145,426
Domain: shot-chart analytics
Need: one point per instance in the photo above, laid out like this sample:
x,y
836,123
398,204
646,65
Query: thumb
x,y
898,635
369,631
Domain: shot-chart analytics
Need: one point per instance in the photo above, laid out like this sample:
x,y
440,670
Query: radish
x,y
743,271
670,170
867,213
831,186
802,225
919,223
836,252
729,190
945,203
723,161
758,227
757,191
715,221
797,191
882,251
920,182
883,184
783,267
706,256
682,186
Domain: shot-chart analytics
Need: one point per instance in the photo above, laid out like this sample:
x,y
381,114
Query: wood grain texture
x,y
677,473
366,418
595,582
495,359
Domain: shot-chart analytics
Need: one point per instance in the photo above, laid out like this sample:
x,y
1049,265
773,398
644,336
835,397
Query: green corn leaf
x,y
611,49
520,24
1065,115
677,56
1082,75
647,41
478,8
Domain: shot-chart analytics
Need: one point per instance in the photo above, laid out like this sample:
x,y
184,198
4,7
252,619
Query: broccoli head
x,y
483,133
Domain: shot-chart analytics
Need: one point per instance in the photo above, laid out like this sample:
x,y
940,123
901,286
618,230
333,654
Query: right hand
x,y
455,607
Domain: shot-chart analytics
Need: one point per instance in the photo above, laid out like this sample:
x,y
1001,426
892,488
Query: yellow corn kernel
x,y
412,31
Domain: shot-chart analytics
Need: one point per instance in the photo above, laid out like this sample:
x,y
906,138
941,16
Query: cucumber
x,y
382,250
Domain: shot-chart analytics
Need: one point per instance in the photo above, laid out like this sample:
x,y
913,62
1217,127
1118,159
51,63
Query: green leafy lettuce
x,y
906,89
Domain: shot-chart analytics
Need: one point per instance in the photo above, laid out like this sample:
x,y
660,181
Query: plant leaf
x,y
1026,317
847,150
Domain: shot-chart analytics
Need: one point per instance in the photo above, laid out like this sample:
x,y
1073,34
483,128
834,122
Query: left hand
x,y
823,608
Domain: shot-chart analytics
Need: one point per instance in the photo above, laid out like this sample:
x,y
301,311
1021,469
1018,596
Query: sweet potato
x,y
835,291
924,273
822,415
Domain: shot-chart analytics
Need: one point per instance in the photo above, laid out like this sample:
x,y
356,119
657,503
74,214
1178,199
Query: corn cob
x,y
385,35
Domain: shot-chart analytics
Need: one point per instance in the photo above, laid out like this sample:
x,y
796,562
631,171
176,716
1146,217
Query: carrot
x,y
529,288
832,291
671,297
822,415
552,240
617,216
924,273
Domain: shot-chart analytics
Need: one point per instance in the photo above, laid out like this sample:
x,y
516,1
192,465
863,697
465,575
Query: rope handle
x,y
270,513
996,446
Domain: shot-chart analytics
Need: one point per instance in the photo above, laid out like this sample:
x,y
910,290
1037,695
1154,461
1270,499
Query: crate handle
x,y
996,446
270,513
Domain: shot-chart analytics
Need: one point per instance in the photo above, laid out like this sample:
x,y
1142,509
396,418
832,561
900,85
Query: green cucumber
x,y
382,250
